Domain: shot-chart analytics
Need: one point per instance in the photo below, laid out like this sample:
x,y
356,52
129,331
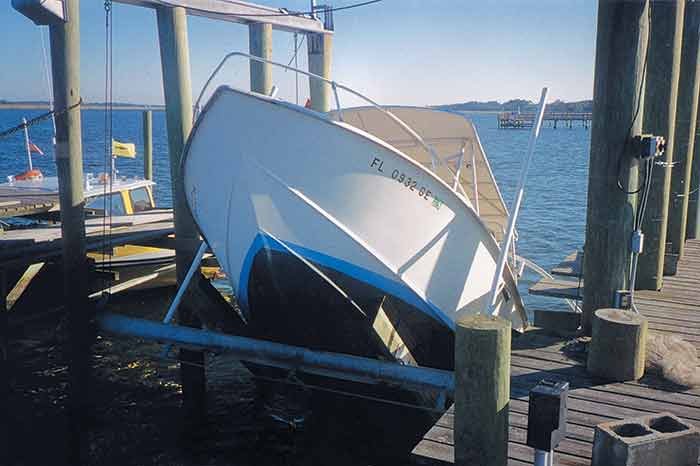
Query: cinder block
x,y
565,321
655,440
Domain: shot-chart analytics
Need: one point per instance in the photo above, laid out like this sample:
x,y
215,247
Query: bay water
x,y
550,226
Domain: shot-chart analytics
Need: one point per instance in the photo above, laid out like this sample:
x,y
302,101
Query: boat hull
x,y
324,229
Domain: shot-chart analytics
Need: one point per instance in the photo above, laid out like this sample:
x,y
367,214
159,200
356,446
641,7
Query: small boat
x,y
106,195
347,231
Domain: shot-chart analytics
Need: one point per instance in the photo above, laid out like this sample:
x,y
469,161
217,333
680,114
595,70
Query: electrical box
x,y
648,146
546,420
42,12
622,299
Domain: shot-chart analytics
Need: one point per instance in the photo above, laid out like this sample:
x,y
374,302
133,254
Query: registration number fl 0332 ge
x,y
406,180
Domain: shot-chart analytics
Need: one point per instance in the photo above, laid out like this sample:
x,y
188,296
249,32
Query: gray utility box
x,y
654,440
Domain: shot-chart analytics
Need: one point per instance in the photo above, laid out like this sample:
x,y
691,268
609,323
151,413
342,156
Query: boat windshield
x,y
140,200
106,205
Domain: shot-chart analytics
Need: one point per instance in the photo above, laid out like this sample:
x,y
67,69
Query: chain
x,y
35,120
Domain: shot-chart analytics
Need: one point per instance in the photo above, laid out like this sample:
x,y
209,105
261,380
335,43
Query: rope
x,y
38,119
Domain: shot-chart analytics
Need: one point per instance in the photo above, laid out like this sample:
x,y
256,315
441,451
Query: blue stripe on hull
x,y
399,290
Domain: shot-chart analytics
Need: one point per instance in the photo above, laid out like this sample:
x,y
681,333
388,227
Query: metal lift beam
x,y
239,12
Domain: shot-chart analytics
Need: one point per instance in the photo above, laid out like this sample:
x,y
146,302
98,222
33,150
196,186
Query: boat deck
x,y
536,356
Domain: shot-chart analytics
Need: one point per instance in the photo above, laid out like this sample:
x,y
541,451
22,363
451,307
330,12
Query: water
x,y
126,127
550,226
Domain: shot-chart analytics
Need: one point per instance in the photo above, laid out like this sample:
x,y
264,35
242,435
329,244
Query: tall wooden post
x,y
320,46
5,420
260,45
177,87
692,229
620,52
661,94
482,391
686,119
147,121
65,67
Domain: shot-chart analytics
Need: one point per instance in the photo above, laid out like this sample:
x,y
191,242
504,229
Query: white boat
x,y
350,235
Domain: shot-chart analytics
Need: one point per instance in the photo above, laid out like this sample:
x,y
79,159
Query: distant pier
x,y
517,120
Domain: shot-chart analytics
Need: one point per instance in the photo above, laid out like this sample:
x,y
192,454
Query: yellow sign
x,y
123,149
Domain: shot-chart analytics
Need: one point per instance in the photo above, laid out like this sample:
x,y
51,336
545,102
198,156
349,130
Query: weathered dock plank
x,y
571,266
558,288
36,244
537,355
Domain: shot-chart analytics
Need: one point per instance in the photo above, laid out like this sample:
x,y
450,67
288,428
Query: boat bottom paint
x,y
290,303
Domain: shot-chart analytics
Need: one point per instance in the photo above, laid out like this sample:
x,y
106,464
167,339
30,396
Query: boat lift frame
x,y
294,358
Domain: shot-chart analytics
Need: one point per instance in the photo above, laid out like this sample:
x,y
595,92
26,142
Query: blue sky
x,y
414,52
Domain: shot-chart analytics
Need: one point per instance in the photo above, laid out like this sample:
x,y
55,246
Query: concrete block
x,y
654,440
557,320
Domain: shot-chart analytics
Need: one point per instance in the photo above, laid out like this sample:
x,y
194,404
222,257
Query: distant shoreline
x,y
88,106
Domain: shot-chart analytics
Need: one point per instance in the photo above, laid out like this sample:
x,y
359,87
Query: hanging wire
x,y
295,59
637,111
49,89
108,172
296,65
44,116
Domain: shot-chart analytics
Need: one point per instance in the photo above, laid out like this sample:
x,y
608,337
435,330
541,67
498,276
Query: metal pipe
x,y
26,142
337,101
147,121
510,231
185,282
475,184
268,353
544,458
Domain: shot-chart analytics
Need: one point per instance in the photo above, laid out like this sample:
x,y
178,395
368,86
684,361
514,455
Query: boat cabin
x,y
123,196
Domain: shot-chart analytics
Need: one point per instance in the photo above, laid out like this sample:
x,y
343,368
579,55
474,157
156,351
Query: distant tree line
x,y
522,105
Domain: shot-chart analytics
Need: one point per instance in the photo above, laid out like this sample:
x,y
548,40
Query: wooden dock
x,y
517,120
537,355
26,246
14,203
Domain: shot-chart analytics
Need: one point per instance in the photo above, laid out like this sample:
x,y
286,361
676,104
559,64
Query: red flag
x,y
34,148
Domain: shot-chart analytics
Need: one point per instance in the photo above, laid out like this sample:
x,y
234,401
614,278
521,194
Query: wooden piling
x,y
320,47
5,375
260,45
692,229
147,120
65,67
617,116
622,333
175,62
686,120
661,94
482,390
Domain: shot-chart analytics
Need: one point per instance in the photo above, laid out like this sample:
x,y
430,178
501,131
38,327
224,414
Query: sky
x,y
410,52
